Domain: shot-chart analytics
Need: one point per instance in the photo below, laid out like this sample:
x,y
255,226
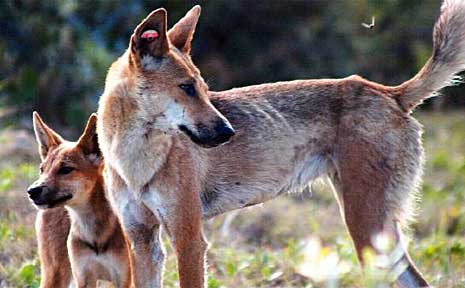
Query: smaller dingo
x,y
71,176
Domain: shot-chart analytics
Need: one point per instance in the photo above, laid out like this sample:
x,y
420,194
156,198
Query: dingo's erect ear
x,y
150,36
181,33
88,142
46,137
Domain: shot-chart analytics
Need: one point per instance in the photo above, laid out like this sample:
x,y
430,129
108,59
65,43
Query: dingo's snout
x,y
209,137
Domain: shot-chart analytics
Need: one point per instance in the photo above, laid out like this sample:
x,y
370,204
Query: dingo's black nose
x,y
34,192
224,132
208,137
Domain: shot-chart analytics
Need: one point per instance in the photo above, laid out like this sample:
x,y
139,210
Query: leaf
x,y
27,275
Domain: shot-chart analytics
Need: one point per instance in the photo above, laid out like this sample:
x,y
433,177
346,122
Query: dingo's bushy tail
x,y
447,60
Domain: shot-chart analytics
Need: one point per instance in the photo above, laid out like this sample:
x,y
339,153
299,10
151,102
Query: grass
x,y
293,241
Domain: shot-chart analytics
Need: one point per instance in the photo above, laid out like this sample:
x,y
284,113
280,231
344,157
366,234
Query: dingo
x,y
71,175
357,132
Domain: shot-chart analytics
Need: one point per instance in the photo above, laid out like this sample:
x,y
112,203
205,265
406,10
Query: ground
x,y
294,241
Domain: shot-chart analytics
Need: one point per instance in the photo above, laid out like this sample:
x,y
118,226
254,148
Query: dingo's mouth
x,y
42,204
207,141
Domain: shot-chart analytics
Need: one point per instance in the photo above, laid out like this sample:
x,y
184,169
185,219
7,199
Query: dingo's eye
x,y
65,170
189,89
41,168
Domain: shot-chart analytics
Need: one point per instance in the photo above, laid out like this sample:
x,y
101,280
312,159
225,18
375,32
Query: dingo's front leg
x,y
147,254
181,217
142,230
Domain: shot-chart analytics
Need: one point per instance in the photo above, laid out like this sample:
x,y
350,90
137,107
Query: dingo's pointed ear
x,y
150,36
182,32
88,142
46,137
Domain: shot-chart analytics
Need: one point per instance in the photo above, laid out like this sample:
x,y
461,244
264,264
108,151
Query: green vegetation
x,y
54,54
293,241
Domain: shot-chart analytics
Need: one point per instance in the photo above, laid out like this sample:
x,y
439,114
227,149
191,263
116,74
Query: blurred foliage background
x,y
54,54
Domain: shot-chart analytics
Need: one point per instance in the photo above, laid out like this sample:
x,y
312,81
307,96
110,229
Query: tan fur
x,y
71,176
447,60
357,132
52,229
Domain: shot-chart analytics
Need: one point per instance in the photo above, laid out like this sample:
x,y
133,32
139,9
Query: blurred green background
x,y
54,56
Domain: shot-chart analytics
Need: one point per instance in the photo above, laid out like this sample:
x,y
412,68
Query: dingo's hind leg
x,y
375,180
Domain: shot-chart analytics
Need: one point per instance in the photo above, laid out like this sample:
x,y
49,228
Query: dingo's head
x,y
168,85
69,170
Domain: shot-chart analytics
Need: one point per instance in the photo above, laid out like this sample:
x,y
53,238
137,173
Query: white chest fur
x,y
136,156
102,267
